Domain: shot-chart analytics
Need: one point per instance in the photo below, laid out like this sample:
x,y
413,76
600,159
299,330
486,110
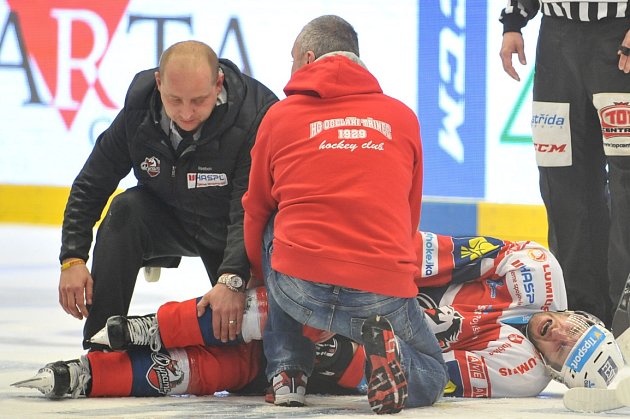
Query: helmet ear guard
x,y
594,360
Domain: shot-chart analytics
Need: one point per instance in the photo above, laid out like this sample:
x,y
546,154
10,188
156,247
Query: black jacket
x,y
135,140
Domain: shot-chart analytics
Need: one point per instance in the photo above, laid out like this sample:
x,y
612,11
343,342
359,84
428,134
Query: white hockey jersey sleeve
x,y
506,367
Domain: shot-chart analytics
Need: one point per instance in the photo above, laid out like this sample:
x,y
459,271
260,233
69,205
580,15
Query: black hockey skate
x,y
60,378
125,332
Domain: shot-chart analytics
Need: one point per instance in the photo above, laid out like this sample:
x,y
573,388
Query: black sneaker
x,y
289,388
387,385
123,332
60,378
621,318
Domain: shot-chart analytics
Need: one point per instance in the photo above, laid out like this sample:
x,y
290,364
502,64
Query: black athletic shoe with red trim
x,y
387,385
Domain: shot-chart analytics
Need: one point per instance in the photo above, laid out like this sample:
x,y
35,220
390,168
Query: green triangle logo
x,y
507,134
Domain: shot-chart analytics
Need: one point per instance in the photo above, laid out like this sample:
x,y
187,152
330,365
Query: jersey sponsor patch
x,y
469,249
205,180
430,250
608,370
478,376
537,255
551,133
614,117
585,349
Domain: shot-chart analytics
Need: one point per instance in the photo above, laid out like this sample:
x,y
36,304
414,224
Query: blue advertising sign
x,y
452,97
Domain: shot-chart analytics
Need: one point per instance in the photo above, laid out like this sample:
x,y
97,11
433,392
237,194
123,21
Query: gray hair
x,y
327,34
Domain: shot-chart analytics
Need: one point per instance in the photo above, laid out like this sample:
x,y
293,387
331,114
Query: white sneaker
x,y
289,388
152,273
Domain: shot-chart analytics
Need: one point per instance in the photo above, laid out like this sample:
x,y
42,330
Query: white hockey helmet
x,y
594,358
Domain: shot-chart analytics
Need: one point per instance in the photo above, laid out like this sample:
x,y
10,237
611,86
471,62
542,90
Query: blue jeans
x,y
294,302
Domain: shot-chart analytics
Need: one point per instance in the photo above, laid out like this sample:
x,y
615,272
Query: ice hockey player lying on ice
x,y
496,307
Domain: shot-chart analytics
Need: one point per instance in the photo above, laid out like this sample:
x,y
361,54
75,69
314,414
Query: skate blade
x,y
40,381
101,337
591,400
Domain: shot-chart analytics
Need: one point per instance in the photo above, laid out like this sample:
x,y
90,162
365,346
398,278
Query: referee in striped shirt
x,y
581,135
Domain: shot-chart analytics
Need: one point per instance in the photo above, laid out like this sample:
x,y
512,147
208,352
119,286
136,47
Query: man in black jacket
x,y
186,130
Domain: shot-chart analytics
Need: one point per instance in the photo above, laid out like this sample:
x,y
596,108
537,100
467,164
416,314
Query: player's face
x,y
553,336
189,92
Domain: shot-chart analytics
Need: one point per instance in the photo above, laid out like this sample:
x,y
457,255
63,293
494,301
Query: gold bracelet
x,y
71,263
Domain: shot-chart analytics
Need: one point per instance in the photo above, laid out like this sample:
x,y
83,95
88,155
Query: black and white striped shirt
x,y
516,14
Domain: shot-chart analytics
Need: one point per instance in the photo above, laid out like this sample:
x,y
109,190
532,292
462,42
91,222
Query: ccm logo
x,y
550,148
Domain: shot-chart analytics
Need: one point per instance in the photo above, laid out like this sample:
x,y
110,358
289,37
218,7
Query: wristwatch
x,y
233,282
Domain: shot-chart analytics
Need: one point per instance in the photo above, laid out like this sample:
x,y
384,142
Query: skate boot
x,y
387,385
59,378
621,318
124,332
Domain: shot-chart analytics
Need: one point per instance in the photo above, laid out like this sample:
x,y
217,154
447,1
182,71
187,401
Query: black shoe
x,y
387,385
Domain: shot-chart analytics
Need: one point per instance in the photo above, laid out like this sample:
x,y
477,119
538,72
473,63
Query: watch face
x,y
236,281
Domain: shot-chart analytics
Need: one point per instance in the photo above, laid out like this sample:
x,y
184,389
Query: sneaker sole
x,y
290,400
292,393
387,385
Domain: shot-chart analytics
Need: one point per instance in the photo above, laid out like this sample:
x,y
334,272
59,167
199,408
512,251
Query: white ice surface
x,y
34,330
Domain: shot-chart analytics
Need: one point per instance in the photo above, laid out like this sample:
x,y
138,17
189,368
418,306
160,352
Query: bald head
x,y
189,82
189,54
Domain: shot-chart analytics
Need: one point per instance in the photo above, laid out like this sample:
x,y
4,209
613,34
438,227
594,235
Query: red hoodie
x,y
341,163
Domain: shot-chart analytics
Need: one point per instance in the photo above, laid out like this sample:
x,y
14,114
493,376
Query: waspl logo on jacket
x,y
66,40
204,180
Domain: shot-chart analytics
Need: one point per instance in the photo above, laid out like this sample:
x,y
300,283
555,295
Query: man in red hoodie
x,y
337,168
